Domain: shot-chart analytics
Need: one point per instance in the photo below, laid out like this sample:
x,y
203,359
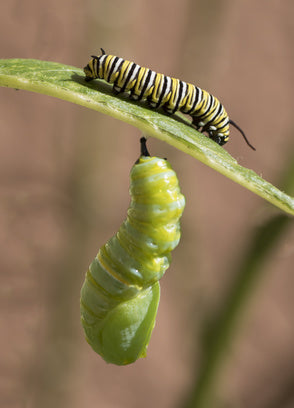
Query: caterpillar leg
x,y
116,89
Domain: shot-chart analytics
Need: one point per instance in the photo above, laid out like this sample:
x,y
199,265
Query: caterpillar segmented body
x,y
208,114
120,294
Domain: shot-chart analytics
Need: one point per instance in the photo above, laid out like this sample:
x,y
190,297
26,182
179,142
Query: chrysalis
x,y
120,294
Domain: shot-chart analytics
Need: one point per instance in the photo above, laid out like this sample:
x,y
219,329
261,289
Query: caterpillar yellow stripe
x,y
120,294
161,91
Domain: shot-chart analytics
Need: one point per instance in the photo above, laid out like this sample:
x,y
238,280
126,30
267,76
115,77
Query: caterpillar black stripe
x,y
208,114
120,295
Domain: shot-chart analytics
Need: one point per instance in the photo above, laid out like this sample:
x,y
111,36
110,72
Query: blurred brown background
x,y
64,191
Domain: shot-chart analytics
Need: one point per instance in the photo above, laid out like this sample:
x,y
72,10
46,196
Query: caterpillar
x,y
208,114
120,294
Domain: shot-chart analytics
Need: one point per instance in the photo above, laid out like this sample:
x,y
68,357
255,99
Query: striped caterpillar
x,y
120,294
172,94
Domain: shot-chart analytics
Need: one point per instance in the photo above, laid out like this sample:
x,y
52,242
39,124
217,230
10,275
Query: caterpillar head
x,y
92,68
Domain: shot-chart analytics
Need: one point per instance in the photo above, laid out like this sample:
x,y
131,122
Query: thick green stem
x,y
66,82
223,330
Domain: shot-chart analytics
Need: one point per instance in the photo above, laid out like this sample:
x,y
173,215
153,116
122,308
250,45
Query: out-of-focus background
x,y
64,191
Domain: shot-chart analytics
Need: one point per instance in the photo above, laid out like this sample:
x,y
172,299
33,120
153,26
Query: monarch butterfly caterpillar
x,y
208,114
120,294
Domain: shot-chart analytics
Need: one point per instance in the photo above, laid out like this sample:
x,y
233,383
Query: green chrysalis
x,y
120,294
